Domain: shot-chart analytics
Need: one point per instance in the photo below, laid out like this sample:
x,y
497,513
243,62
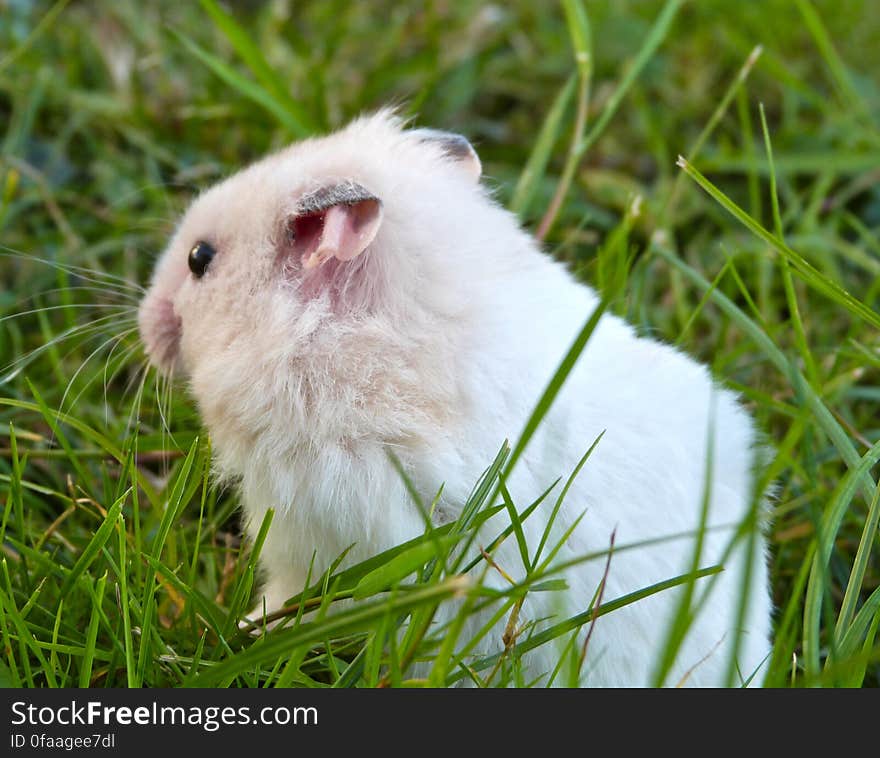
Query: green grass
x,y
757,252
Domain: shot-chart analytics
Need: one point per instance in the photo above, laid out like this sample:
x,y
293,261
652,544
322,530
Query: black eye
x,y
199,258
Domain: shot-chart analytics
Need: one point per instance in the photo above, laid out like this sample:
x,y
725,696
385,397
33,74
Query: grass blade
x,y
536,165
685,613
247,88
859,569
342,623
402,565
805,269
95,546
575,622
841,76
581,40
251,54
122,586
823,417
555,385
826,534
646,52
85,672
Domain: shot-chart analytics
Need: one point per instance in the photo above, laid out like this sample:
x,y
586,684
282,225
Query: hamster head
x,y
327,285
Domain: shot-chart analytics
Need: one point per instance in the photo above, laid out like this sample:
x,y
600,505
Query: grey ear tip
x,y
454,145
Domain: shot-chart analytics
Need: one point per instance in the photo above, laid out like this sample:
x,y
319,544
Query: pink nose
x,y
160,331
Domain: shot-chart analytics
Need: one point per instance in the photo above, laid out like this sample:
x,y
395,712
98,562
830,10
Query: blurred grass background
x,y
113,114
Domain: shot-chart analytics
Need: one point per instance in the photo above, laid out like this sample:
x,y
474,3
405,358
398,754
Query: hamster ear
x,y
339,221
455,147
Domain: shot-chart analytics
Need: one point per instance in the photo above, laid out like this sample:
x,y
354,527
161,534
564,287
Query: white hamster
x,y
362,292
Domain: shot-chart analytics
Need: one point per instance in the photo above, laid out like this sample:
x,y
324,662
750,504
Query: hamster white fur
x,y
416,315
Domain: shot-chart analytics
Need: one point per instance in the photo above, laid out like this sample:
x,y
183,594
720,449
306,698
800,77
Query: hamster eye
x,y
199,258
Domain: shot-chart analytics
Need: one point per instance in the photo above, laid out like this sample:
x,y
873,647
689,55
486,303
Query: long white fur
x,y
450,328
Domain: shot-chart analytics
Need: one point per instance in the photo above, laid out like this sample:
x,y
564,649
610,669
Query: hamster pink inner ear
x,y
341,230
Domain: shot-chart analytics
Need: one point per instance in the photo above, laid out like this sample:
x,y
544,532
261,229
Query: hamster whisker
x,y
114,339
101,324
121,361
120,308
164,387
94,288
89,274
129,300
134,415
141,372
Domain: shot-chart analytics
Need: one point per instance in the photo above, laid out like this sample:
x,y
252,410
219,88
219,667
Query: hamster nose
x,y
160,328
